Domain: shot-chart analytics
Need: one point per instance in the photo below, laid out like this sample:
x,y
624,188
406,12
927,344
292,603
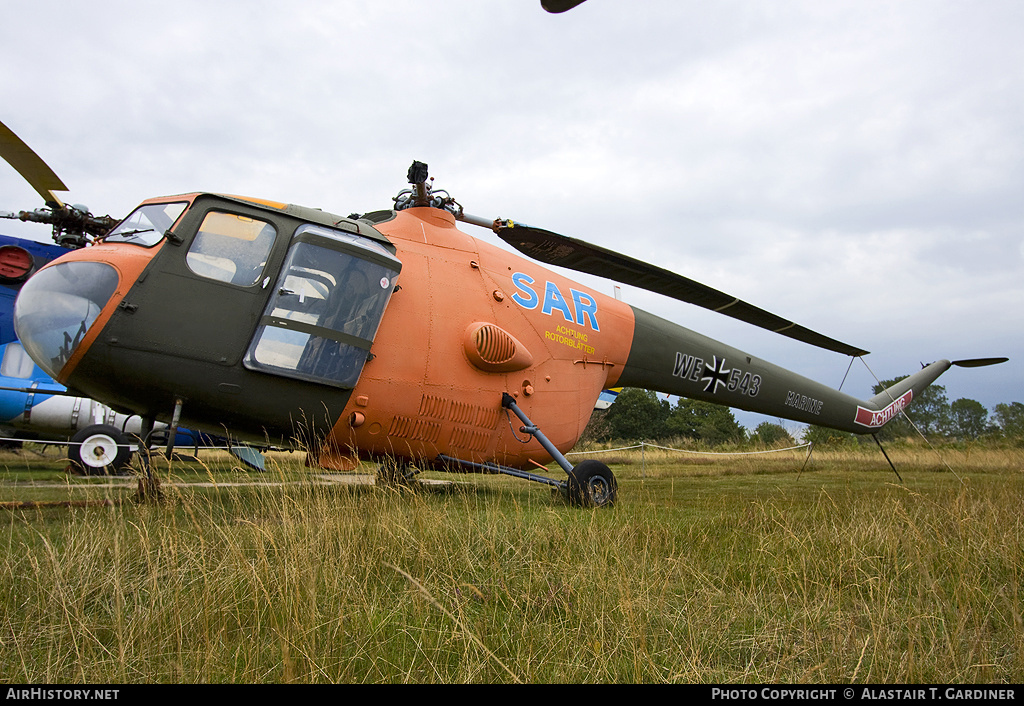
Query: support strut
x,y
891,464
495,468
509,402
589,484
172,431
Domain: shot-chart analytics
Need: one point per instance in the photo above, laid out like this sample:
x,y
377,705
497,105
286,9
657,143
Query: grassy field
x,y
708,569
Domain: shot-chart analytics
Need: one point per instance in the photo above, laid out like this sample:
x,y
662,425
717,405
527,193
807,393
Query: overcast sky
x,y
857,167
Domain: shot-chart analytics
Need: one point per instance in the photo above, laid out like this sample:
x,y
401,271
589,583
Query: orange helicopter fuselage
x,y
467,322
470,322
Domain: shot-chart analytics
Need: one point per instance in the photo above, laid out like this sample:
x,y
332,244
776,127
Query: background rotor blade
x,y
30,166
559,5
563,251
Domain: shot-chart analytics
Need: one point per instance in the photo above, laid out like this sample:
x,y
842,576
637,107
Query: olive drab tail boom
x,y
672,359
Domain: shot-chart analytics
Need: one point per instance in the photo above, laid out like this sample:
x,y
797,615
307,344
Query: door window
x,y
324,313
231,248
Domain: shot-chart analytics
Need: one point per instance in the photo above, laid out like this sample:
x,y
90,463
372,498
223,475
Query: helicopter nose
x,y
56,307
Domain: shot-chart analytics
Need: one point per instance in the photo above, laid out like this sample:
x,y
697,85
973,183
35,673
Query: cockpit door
x,y
324,312
201,294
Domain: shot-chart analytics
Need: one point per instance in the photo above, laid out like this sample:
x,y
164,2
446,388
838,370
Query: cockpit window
x,y
147,224
324,314
231,248
56,308
16,363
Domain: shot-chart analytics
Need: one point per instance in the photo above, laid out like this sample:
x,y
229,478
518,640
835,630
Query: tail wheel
x,y
393,473
592,484
99,450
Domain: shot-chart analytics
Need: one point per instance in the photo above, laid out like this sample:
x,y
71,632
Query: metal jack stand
x,y
149,485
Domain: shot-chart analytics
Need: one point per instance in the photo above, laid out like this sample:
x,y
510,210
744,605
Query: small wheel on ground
x,y
592,484
394,473
99,450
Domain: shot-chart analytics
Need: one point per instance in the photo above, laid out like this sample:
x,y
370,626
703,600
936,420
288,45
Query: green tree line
x,y
642,415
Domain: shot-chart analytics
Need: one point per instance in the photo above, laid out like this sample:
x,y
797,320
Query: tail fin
x,y
886,405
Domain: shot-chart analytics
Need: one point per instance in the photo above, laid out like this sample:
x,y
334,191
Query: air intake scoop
x,y
494,350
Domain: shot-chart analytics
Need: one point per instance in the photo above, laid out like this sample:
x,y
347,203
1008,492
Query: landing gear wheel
x,y
99,450
392,473
592,484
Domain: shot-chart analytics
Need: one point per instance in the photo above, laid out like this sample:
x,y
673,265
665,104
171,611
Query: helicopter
x,y
32,405
394,336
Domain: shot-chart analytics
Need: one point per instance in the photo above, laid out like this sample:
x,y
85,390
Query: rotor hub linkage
x,y
72,225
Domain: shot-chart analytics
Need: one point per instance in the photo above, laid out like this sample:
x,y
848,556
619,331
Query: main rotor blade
x,y
563,251
31,167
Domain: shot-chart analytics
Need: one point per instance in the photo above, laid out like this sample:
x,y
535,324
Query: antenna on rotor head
x,y
418,176
422,193
417,172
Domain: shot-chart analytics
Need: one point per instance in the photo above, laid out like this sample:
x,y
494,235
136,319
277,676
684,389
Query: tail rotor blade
x,y
979,362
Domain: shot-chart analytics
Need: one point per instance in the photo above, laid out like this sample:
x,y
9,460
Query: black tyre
x,y
592,484
99,450
392,473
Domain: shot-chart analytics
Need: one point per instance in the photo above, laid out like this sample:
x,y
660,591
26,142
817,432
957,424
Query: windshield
x,y
147,224
57,306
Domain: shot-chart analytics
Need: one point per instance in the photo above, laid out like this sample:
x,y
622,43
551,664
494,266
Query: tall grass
x,y
728,570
